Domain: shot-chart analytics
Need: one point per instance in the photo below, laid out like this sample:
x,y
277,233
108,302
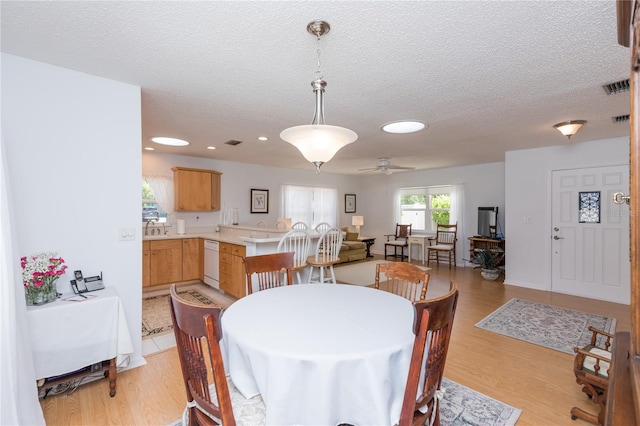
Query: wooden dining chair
x,y
591,368
198,334
432,326
268,269
445,245
403,279
297,241
326,254
399,240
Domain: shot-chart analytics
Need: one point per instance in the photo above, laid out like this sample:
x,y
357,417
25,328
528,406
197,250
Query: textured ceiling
x,y
487,77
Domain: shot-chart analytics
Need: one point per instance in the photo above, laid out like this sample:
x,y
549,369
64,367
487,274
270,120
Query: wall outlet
x,y
527,220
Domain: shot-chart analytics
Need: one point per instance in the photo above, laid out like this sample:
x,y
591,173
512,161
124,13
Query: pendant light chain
x,y
318,72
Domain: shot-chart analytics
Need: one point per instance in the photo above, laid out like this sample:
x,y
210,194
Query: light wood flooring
x,y
538,380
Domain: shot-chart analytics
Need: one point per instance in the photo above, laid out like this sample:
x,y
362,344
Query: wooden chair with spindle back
x,y
269,270
196,328
445,244
432,326
403,279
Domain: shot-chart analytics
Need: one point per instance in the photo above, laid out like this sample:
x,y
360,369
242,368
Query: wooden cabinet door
x,y
215,191
238,277
192,190
146,262
166,262
192,266
232,273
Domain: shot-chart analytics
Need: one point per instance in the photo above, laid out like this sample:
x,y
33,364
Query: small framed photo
x,y
259,201
349,203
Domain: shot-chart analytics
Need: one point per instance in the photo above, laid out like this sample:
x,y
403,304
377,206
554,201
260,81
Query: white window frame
x,y
428,192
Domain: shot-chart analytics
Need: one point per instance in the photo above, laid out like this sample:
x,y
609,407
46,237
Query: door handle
x,y
555,237
620,198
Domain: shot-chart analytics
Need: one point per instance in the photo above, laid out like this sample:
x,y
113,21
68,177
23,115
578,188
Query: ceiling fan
x,y
385,166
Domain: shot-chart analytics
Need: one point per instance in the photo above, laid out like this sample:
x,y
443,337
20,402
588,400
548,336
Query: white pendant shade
x,y
318,143
569,128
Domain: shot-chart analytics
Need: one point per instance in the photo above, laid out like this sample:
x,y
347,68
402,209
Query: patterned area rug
x,y
462,406
549,326
156,318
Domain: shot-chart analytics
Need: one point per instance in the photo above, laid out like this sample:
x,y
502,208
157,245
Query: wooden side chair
x,y
591,367
198,334
445,245
297,241
400,241
403,279
268,269
432,326
326,254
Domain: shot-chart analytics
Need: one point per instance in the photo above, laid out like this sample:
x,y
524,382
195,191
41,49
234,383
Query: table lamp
x,y
357,221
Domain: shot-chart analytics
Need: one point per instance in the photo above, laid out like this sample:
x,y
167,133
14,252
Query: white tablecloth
x,y
67,336
321,354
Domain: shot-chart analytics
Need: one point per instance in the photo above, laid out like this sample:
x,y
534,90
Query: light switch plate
x,y
127,234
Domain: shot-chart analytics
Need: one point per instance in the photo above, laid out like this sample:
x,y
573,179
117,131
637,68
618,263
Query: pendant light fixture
x,y
569,128
318,142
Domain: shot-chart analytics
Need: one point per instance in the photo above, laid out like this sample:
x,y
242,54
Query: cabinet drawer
x,y
238,250
166,245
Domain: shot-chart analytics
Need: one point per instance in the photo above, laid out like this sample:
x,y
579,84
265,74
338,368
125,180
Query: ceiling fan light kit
x,y
570,128
318,142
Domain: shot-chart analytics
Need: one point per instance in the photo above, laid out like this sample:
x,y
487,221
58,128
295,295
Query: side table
x,y
419,240
369,241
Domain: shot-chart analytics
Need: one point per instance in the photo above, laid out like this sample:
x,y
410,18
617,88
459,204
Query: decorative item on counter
x,y
180,225
286,221
40,272
235,216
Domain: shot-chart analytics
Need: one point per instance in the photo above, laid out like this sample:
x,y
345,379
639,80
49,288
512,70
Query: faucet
x,y
146,228
164,230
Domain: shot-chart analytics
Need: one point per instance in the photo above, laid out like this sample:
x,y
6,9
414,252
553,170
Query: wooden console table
x,y
72,340
480,243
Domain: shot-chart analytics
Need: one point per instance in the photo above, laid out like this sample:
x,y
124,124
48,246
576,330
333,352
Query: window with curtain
x,y
310,204
424,207
157,198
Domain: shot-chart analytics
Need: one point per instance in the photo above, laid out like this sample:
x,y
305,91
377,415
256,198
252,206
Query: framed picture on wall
x,y
349,203
259,201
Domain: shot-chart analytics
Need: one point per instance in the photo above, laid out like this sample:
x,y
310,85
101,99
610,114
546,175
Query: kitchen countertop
x,y
215,236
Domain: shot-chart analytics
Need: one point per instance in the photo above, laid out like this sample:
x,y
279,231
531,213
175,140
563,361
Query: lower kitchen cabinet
x,y
232,272
165,264
146,262
192,259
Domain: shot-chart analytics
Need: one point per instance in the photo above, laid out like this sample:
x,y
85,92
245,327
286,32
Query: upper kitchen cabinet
x,y
196,189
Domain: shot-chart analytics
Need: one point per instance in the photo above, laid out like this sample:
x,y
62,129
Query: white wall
x,y
483,186
73,148
237,181
528,194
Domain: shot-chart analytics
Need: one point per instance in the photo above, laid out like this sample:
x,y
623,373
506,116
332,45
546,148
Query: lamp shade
x,y
357,220
318,143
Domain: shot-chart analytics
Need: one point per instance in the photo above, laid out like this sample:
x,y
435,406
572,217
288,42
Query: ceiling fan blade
x,y
400,167
370,169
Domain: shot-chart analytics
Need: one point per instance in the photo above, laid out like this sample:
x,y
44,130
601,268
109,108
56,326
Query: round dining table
x,y
321,354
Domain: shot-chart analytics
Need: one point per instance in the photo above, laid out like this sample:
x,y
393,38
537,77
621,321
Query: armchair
x,y
400,240
591,367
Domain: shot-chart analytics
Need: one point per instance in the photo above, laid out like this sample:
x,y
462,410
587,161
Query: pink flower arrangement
x,y
42,269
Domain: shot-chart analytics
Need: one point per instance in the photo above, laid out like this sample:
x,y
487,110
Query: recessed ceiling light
x,y
263,138
211,147
169,141
148,148
405,126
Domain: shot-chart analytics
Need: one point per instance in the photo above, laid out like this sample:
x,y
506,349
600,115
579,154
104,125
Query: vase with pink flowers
x,y
40,272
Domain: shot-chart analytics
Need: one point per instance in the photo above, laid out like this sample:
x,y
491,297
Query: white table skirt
x,y
321,354
67,336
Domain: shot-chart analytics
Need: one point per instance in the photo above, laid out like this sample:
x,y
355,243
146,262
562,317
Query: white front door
x,y
590,233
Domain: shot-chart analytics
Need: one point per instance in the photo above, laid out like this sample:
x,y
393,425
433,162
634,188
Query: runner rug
x,y
462,406
156,317
550,326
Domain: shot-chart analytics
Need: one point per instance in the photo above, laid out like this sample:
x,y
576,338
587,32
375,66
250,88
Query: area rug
x,y
363,273
462,406
549,326
156,318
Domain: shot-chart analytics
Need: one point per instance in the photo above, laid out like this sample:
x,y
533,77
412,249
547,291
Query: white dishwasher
x,y
211,263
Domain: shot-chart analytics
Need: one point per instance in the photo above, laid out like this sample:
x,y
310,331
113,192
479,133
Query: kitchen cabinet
x,y
165,263
146,262
196,189
192,259
232,272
